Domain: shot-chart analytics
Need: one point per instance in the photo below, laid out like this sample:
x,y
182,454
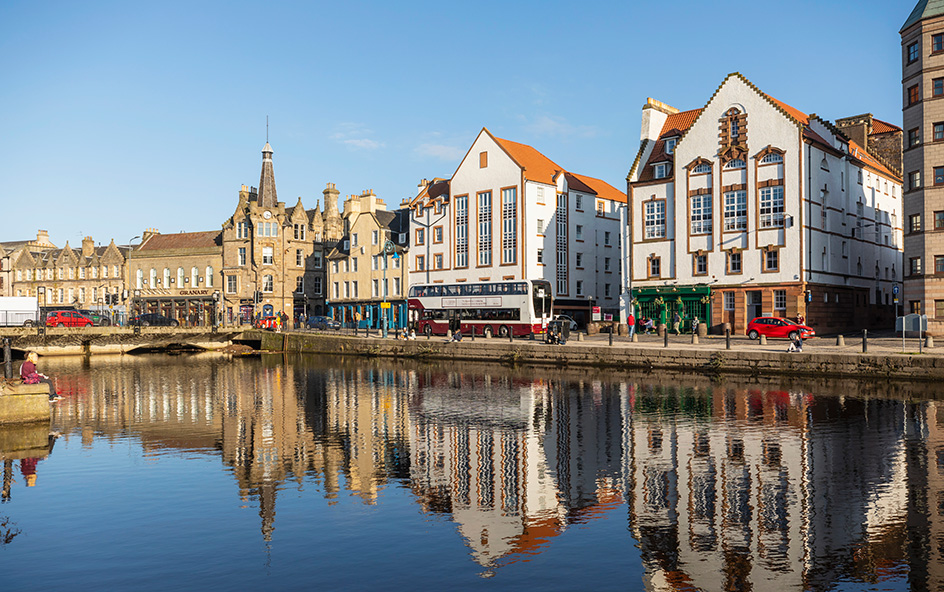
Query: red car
x,y
777,327
67,318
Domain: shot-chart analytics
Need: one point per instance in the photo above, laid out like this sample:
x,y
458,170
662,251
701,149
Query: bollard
x,y
694,339
865,341
473,333
635,338
7,359
532,335
763,340
666,338
448,334
841,341
611,337
928,342
727,338
511,336
579,336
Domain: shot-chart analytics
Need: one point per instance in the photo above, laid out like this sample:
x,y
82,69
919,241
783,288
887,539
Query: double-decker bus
x,y
513,307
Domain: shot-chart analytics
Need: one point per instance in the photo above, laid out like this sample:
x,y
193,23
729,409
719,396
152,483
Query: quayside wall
x,y
701,360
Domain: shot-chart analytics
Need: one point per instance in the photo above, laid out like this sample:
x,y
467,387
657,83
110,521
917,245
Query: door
x,y
754,308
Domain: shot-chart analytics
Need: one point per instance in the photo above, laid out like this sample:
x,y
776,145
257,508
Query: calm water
x,y
201,472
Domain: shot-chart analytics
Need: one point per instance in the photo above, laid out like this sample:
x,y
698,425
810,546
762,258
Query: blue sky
x,y
119,116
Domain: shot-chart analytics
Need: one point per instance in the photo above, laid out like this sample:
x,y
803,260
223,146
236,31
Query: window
x,y
81,273
938,132
138,279
939,175
606,290
729,300
374,237
420,236
194,277
354,239
180,278
578,202
300,284
208,276
735,210
483,160
420,262
396,286
914,223
299,231
737,163
845,249
701,265
579,287
701,169
231,285
939,220
462,231
734,262
579,262
541,256
337,290
299,258
655,219
354,285
912,50
267,256
771,158
915,265
242,256
606,238
437,261
661,170
438,234
780,300
655,267
772,260
913,95
937,42
771,207
670,145
913,137
268,284
317,286
939,308
937,87
701,214
316,258
601,208
939,264
485,227
354,264
914,180
375,288
242,230
347,289
509,225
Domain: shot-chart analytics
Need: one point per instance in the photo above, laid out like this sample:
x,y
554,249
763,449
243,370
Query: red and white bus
x,y
516,307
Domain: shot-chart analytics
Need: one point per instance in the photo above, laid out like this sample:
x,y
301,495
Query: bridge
x,y
120,340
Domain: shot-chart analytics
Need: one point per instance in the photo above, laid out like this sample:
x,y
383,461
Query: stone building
x,y
177,276
68,277
748,207
368,264
922,43
272,255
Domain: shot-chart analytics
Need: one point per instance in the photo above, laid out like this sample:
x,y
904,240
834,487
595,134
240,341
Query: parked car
x,y
99,318
152,319
777,327
67,318
323,323
268,323
565,318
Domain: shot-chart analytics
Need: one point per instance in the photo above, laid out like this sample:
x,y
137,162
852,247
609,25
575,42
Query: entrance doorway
x,y
754,307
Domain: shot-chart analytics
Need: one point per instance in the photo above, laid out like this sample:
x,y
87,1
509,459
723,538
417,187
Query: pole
x,y
727,338
865,341
7,359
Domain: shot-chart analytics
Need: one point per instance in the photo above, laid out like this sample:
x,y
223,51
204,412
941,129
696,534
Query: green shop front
x,y
662,302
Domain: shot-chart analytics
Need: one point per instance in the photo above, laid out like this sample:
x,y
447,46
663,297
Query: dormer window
x,y
737,163
670,145
661,170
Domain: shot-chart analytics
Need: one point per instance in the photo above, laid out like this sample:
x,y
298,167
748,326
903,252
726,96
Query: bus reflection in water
x,y
514,307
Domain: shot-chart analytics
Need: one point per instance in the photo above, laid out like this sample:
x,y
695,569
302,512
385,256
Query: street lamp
x,y
389,248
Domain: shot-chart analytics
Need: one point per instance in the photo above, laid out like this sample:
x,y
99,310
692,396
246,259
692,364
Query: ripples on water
x,y
203,472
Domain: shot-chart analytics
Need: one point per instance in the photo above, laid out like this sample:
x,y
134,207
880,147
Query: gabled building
x,y
367,267
749,207
509,212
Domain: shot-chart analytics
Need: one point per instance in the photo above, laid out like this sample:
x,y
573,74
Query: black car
x,y
152,319
323,323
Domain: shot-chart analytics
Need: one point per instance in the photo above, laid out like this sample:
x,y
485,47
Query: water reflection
x,y
724,486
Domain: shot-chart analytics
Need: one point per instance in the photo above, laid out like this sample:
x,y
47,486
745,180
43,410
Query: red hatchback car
x,y
777,327
67,318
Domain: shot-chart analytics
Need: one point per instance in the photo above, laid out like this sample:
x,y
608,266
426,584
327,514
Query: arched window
x,y
209,277
737,163
152,279
194,276
139,279
771,158
166,277
180,278
701,169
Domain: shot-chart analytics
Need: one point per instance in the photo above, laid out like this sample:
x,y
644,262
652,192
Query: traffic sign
x,y
384,305
895,289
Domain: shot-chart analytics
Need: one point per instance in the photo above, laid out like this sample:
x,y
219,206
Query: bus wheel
x,y
487,332
503,331
427,330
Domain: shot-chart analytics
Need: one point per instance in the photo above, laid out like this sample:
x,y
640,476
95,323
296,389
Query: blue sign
x,y
895,289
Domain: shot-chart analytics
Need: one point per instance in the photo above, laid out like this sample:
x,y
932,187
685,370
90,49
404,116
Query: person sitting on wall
x,y
796,343
457,336
30,376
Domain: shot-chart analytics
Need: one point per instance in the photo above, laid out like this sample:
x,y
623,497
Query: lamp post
x,y
41,292
135,303
389,248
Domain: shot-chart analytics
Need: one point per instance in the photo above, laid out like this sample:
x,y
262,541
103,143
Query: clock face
x,y
267,214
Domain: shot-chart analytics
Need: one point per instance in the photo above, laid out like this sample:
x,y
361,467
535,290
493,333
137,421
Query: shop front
x,y
190,308
661,303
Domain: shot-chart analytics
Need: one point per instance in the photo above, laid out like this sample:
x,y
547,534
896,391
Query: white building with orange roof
x,y
748,207
509,212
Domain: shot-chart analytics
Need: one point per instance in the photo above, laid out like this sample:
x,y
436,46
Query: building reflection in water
x,y
725,486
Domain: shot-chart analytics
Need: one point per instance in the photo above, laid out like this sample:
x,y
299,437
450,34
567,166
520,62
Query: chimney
x,y
857,128
148,233
88,246
654,114
42,237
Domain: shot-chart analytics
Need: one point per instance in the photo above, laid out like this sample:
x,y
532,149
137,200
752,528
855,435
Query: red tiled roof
x,y
870,161
679,121
182,240
537,167
597,186
883,127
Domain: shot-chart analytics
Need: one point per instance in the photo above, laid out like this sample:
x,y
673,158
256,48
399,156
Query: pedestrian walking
x,y
631,321
677,323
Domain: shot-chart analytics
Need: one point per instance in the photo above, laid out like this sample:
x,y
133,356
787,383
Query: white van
x,y
19,311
